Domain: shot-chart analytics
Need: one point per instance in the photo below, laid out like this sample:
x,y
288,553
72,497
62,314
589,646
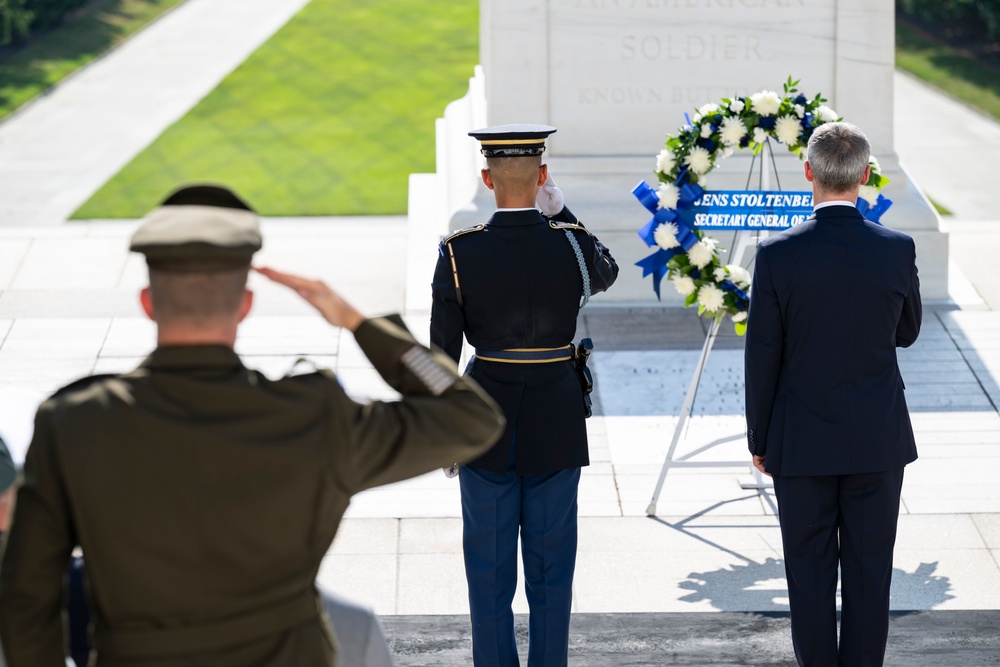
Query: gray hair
x,y
838,154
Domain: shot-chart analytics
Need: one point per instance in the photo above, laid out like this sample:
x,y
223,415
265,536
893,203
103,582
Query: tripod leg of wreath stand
x,y
685,412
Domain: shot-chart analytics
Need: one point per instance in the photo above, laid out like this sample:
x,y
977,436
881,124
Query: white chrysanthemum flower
x,y
666,236
683,284
739,275
800,110
727,151
869,193
740,316
668,194
665,161
732,131
711,297
873,161
826,114
720,274
706,109
787,130
766,102
706,131
760,135
737,106
702,253
696,119
699,159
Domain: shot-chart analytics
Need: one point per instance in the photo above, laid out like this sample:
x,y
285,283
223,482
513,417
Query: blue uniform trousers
x,y
845,520
495,506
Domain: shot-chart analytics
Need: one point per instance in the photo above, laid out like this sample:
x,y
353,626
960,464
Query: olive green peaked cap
x,y
199,228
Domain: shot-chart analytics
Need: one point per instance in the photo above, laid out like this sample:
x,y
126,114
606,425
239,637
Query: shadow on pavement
x,y
724,639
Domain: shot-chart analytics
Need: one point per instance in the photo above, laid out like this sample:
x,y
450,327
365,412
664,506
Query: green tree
x,y
982,13
50,13
14,20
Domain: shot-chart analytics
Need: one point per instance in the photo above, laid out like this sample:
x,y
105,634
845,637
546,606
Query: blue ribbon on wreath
x,y
742,300
656,264
875,212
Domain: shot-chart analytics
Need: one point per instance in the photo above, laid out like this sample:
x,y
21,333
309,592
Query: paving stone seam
x,y
962,351
20,264
994,553
398,593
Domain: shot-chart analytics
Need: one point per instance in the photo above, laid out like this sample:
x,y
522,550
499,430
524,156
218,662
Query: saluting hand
x,y
550,198
330,305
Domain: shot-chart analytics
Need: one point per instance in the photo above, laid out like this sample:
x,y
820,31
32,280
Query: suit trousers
x,y
495,507
848,520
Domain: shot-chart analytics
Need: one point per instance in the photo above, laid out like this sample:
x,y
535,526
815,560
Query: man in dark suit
x,y
514,287
203,494
831,300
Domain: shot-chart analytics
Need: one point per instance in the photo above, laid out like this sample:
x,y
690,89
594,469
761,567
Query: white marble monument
x,y
616,76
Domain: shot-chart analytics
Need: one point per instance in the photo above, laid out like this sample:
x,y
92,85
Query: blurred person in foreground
x,y
514,287
203,494
832,299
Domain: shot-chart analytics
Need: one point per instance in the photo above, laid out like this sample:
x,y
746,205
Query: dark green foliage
x,y
47,13
14,21
977,15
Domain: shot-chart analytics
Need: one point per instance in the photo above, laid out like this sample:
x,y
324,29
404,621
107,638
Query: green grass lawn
x,y
328,117
941,66
49,58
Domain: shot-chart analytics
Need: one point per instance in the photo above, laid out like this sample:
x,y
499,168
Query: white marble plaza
x,y
68,308
714,545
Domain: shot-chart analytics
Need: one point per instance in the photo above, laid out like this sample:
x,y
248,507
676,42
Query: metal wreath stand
x,y
743,243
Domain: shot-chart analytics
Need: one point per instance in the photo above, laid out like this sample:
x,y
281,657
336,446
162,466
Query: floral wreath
x,y
685,256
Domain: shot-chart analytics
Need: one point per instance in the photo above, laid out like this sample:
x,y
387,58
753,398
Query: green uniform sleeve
x,y
35,559
442,417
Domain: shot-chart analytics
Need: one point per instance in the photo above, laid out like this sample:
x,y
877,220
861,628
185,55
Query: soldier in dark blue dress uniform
x,y
514,287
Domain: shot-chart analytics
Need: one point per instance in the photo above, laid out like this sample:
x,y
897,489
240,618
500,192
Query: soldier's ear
x,y
146,299
487,178
543,174
246,304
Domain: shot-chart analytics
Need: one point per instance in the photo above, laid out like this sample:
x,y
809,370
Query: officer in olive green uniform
x,y
203,494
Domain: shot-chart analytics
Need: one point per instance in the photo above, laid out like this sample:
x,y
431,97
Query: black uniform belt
x,y
527,355
207,636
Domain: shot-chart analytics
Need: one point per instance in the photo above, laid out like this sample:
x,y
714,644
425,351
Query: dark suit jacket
x,y
831,300
521,286
205,496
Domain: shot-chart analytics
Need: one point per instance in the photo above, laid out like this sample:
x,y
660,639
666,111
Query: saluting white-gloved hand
x,y
550,198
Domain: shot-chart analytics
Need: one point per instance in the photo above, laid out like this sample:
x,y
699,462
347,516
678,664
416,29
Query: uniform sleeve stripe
x,y
420,362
